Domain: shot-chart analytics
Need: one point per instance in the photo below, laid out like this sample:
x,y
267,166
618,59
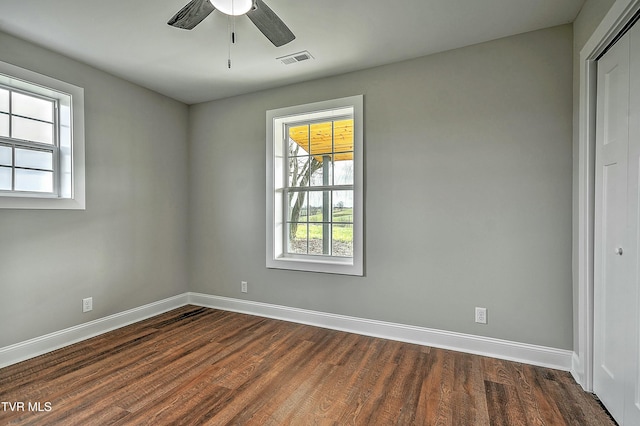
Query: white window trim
x,y
276,120
23,79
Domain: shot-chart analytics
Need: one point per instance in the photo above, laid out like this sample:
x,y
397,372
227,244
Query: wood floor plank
x,y
296,399
197,366
435,406
268,379
469,391
496,403
533,392
364,374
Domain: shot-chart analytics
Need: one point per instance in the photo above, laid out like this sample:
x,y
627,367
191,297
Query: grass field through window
x,y
342,225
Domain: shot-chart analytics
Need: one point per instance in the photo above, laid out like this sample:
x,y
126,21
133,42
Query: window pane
x,y
342,241
4,125
4,100
65,115
343,135
316,240
343,170
297,207
299,171
319,206
321,135
33,180
65,135
343,206
298,238
5,156
30,130
321,171
30,106
5,178
34,159
299,140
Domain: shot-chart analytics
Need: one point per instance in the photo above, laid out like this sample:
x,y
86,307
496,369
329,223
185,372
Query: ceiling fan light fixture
x,y
233,7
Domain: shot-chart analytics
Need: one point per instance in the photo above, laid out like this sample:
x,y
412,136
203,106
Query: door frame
x,y
620,14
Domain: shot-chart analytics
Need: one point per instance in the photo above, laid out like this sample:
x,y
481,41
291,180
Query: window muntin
x,y
315,187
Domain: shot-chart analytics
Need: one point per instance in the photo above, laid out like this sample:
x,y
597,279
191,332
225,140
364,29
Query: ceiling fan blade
x,y
270,24
192,14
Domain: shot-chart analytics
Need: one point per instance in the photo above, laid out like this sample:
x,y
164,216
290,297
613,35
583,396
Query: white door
x,y
616,330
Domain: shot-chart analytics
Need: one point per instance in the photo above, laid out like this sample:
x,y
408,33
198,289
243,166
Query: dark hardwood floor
x,y
196,365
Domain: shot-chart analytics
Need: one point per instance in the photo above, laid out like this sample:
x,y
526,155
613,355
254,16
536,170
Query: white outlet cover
x,y
87,304
481,315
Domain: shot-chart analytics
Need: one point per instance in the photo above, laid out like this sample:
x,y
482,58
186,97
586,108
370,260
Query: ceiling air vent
x,y
296,57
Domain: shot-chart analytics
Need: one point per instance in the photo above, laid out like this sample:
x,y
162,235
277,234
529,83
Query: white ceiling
x,y
130,38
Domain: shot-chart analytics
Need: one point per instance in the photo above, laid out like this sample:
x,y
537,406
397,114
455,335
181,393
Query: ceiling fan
x,y
260,14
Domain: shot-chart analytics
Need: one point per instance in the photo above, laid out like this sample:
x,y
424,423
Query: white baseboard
x,y
50,342
513,351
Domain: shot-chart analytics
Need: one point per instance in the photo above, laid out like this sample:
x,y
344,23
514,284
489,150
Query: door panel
x,y
614,204
610,283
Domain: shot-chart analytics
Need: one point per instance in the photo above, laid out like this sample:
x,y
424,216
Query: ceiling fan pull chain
x,y
233,22
230,32
231,28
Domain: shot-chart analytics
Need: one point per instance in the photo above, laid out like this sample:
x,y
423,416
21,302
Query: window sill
x,y
326,266
41,203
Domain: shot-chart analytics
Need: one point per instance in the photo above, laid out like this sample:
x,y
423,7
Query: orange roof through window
x,y
316,139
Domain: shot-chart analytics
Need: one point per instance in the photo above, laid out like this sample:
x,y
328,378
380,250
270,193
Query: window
x,y
41,141
315,187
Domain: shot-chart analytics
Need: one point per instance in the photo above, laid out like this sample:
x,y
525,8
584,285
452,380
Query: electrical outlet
x,y
243,286
87,304
481,315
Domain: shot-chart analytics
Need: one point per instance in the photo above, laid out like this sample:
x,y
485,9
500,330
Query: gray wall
x,y
129,247
585,24
468,158
468,198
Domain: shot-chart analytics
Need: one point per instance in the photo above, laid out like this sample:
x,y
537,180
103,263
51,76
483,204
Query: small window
x,y
315,186
41,141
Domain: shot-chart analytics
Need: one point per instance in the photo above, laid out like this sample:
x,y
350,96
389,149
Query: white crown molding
x,y
40,345
486,346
